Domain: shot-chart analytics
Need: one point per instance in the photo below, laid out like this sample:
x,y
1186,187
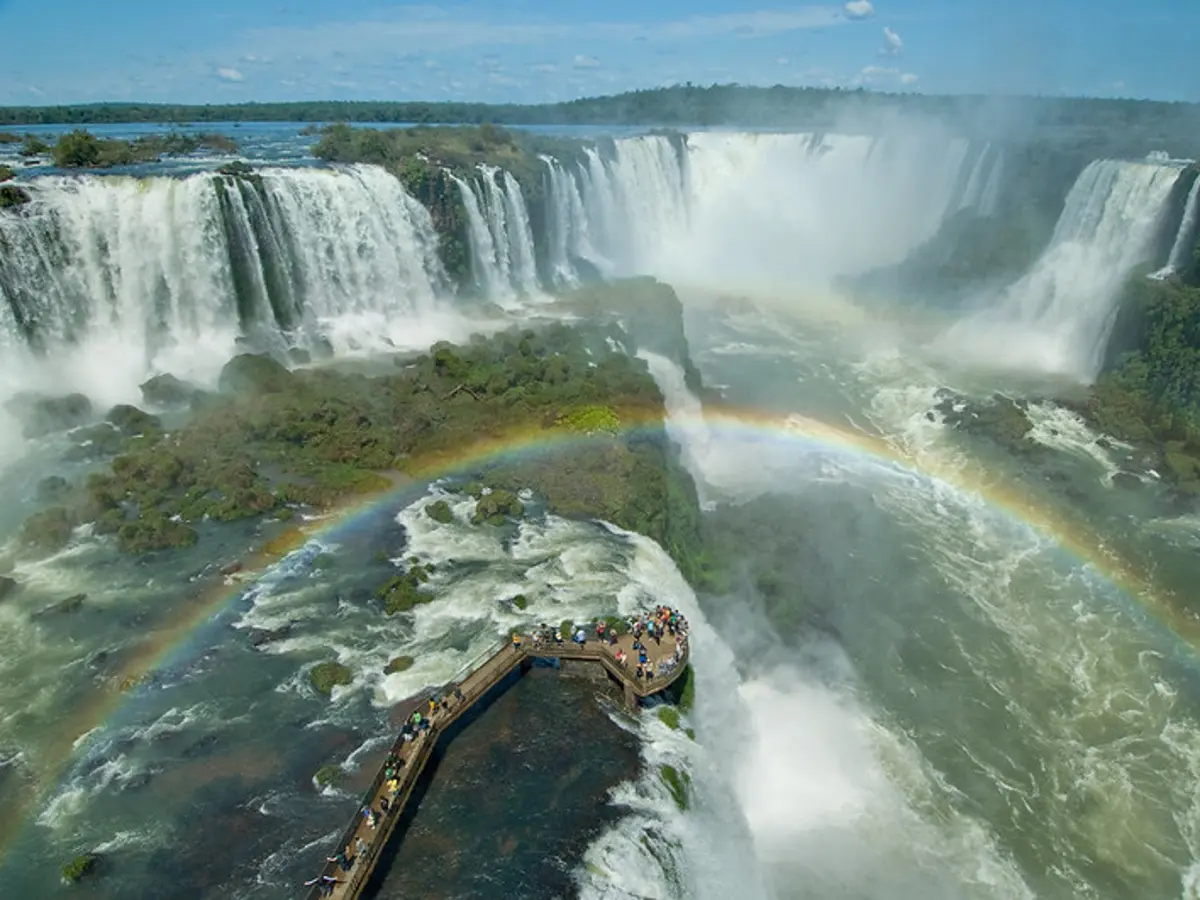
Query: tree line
x,y
683,105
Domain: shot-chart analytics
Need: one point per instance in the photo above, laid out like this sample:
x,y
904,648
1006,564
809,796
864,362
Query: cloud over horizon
x,y
535,51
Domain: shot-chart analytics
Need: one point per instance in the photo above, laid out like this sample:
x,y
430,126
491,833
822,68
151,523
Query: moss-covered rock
x,y
154,532
41,414
669,716
8,587
130,420
47,532
677,783
6,174
402,593
328,675
1001,419
252,373
520,601
52,488
328,775
94,442
80,867
496,506
13,196
440,511
167,390
398,664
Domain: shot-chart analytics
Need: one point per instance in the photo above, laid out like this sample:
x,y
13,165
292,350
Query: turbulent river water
x,y
959,683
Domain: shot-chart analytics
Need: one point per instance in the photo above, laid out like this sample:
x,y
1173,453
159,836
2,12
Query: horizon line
x,y
859,91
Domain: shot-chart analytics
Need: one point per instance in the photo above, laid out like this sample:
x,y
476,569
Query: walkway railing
x,y
472,681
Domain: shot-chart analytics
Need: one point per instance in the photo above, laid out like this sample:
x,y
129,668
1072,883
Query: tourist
x,y
516,641
361,846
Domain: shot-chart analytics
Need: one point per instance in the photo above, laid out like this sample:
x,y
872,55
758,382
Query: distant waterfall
x,y
503,263
1185,237
1057,317
160,262
773,210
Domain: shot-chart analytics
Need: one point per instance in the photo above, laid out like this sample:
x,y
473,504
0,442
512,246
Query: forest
x,y
687,104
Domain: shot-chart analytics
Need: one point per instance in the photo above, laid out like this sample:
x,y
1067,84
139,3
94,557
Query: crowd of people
x,y
662,623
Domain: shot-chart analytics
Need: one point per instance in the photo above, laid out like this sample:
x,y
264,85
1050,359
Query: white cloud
x,y
230,74
585,62
781,60
892,45
909,78
545,67
859,9
435,30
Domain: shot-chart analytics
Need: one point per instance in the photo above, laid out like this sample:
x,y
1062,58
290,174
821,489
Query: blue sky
x,y
61,51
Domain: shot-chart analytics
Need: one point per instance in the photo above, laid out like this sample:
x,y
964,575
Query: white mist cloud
x,y
909,78
230,74
859,9
892,45
781,60
585,62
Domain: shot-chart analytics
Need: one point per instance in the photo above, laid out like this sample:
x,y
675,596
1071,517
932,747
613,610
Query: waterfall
x,y
569,237
104,279
1057,317
1184,237
775,211
503,262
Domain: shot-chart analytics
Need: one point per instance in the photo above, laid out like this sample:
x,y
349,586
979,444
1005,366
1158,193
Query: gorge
x,y
926,490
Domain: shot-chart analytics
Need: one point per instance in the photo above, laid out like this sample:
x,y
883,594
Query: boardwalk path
x,y
474,685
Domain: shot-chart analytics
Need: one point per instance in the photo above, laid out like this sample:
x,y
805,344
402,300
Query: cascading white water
x,y
1185,235
502,251
1057,317
107,279
767,210
485,268
569,235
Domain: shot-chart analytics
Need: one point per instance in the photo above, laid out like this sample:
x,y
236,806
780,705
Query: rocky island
x,y
272,441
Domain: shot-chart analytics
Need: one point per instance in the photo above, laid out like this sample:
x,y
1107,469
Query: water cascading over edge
x,y
161,262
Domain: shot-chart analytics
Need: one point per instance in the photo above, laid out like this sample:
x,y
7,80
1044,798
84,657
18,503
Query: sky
x,y
224,51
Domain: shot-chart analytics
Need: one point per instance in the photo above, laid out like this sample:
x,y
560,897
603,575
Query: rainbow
x,y
174,638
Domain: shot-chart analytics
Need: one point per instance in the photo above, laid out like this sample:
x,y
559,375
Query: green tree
x,y
76,149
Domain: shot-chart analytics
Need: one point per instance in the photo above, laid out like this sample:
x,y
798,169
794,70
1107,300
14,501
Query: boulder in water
x,y
130,420
495,506
12,197
299,356
81,867
252,373
1126,481
52,488
94,442
72,604
41,414
47,532
8,587
167,390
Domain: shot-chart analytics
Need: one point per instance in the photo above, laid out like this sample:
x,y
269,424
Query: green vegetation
x,y
402,593
687,689
440,511
591,419
496,506
686,104
520,601
677,783
80,148
81,866
669,716
12,196
274,440
6,174
46,532
398,664
328,775
7,137
34,146
328,675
